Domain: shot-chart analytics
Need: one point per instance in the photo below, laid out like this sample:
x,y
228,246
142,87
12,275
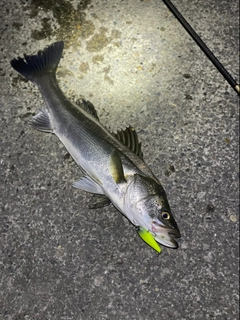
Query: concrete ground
x,y
138,66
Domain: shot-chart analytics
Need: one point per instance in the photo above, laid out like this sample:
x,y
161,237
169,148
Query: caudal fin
x,y
45,61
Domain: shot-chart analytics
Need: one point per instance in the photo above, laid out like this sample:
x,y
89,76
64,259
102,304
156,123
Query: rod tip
x,y
237,88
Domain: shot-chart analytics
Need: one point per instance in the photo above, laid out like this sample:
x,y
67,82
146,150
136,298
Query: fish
x,y
112,164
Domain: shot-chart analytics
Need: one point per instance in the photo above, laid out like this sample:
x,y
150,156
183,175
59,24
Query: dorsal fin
x,y
129,138
88,107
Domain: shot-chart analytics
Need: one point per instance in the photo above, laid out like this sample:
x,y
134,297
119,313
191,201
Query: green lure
x,y
149,239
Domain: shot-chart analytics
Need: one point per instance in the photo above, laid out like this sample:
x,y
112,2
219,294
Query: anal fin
x,y
42,121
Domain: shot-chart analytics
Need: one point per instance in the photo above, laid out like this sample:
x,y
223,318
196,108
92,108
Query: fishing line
x,y
203,46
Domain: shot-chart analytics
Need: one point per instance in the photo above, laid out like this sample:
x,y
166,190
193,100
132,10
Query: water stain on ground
x,y
84,67
65,21
72,21
98,58
98,41
101,40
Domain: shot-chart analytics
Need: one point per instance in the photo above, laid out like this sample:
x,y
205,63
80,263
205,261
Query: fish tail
x,y
44,62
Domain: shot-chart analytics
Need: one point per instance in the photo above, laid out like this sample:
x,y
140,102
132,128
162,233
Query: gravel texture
x,y
137,65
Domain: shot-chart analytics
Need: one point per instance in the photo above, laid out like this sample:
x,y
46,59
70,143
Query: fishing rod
x,y
203,46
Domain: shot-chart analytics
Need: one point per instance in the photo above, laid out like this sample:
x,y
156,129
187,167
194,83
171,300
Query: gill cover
x,y
147,207
148,197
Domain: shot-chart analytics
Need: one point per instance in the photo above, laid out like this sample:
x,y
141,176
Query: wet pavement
x,y
138,66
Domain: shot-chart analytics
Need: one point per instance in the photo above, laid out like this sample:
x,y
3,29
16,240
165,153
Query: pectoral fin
x,y
149,239
116,168
89,185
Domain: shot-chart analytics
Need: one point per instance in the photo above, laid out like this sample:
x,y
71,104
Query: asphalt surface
x,y
137,65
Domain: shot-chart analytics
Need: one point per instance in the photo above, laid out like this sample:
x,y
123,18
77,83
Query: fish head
x,y
147,206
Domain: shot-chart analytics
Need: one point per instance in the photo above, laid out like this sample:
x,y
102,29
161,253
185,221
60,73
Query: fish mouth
x,y
175,237
166,236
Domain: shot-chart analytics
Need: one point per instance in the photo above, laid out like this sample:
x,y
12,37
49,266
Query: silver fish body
x,y
112,163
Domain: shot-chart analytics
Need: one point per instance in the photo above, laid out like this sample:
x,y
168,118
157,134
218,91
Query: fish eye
x,y
165,215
